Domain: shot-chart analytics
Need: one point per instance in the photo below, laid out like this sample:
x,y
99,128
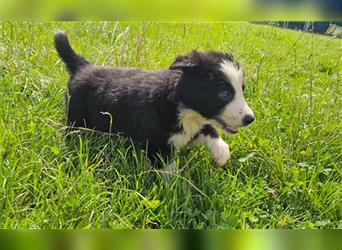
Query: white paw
x,y
219,150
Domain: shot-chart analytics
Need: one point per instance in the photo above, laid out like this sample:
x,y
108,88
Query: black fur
x,y
203,81
72,61
208,130
143,105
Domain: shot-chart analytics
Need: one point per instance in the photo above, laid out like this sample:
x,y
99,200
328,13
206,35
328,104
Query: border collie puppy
x,y
161,110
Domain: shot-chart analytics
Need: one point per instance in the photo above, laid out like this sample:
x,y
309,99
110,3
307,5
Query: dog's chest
x,y
191,123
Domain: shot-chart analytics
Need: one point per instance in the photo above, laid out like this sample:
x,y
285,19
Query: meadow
x,y
285,170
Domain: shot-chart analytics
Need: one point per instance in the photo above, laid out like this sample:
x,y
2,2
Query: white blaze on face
x,y
237,109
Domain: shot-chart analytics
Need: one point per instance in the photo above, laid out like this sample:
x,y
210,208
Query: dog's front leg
x,y
218,147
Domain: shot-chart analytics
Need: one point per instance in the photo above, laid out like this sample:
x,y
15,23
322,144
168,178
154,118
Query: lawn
x,y
285,170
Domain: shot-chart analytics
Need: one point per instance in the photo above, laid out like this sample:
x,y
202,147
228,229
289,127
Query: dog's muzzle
x,y
225,126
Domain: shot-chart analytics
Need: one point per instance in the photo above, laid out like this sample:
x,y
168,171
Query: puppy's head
x,y
213,84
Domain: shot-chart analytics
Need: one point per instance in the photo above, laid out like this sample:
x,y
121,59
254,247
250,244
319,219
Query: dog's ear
x,y
184,62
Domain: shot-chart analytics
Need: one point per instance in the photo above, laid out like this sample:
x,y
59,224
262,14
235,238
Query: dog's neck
x,y
190,123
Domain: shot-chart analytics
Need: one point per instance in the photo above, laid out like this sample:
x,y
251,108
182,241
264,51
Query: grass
x,y
285,170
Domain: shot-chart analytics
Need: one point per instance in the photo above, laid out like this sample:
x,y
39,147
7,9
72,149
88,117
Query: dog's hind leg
x,y
76,117
216,145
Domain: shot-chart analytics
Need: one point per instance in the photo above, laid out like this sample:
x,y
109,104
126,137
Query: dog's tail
x,y
73,61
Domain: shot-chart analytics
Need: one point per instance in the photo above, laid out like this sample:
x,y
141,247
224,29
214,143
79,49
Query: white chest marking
x,y
191,122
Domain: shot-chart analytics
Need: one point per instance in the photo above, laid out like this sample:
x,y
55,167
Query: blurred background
x,y
167,10
172,239
332,28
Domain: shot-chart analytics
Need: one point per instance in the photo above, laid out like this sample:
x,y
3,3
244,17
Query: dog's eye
x,y
225,95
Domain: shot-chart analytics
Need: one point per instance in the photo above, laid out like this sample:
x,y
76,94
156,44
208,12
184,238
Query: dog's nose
x,y
248,119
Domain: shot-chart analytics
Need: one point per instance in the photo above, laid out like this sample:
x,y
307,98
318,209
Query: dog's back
x,y
120,100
